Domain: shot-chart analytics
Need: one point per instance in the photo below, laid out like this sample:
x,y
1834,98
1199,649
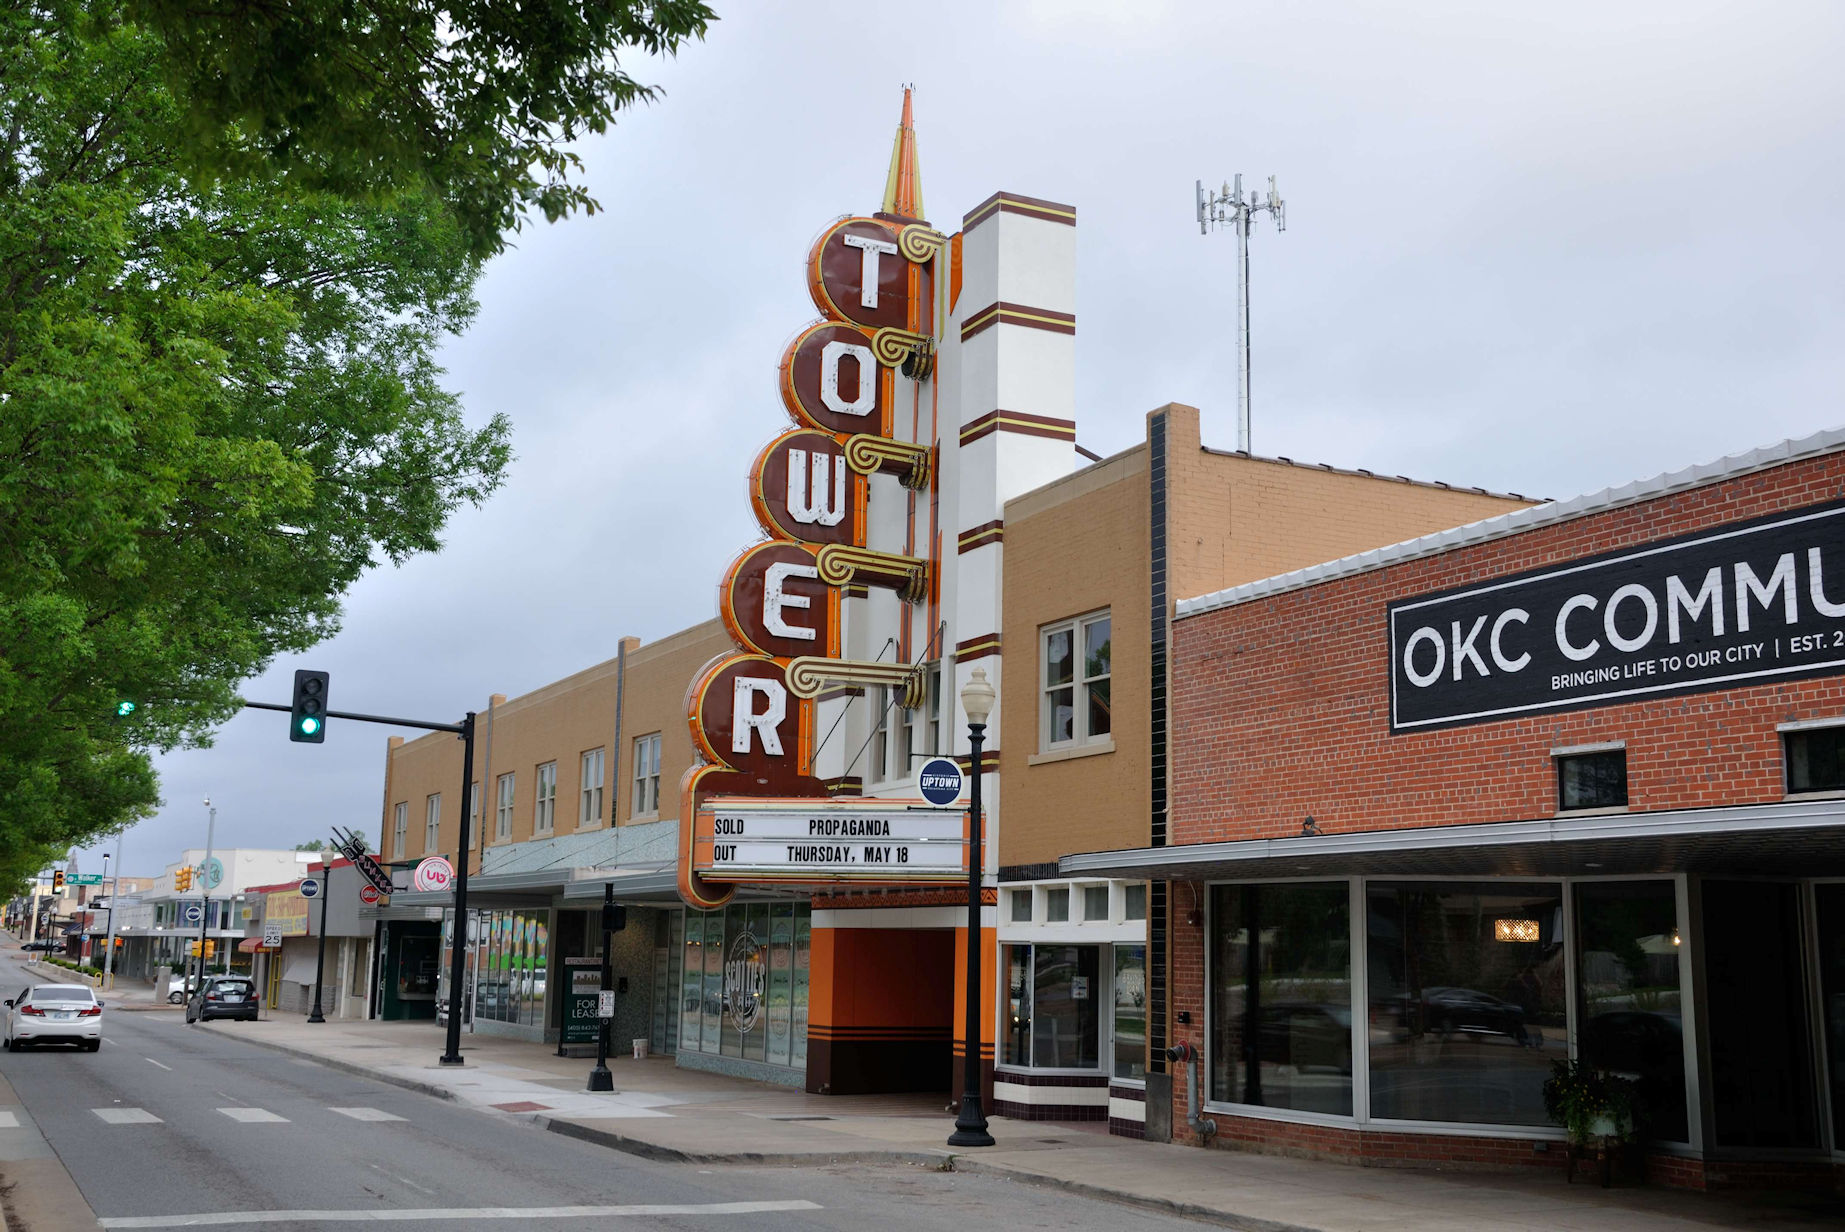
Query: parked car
x,y
53,1014
177,995
44,945
224,996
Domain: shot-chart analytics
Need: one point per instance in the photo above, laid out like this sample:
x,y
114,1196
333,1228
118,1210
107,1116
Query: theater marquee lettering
x,y
1760,601
829,840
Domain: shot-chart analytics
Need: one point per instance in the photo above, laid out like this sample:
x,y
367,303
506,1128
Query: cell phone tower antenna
x,y
1228,206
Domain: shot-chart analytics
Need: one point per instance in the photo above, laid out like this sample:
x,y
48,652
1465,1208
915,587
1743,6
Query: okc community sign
x,y
1748,603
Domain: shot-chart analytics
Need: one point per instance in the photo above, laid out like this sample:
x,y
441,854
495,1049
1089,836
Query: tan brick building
x,y
1091,563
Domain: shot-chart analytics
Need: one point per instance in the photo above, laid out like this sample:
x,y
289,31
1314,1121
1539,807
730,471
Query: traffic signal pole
x,y
451,1054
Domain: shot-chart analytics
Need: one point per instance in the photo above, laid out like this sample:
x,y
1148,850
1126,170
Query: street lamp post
x,y
211,830
320,958
110,909
600,1079
977,698
108,968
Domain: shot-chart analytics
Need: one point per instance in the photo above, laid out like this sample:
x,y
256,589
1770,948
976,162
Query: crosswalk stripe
x,y
453,1214
127,1116
253,1116
9,1120
366,1114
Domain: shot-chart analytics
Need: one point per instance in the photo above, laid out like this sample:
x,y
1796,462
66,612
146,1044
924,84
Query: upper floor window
x,y
589,807
882,700
647,775
544,814
432,823
502,821
1815,759
1076,674
922,727
474,813
1592,780
400,829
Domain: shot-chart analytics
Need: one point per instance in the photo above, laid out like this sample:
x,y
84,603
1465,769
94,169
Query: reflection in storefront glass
x,y
1015,1042
1131,1011
1065,1003
780,936
1627,970
1281,1001
1467,1010
781,981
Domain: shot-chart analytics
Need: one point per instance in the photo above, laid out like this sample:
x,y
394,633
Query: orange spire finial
x,y
903,187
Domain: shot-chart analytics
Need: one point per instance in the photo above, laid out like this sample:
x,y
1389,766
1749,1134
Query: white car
x,y
54,1014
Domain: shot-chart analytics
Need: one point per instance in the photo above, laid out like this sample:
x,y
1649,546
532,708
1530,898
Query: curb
x,y
347,1067
939,1160
1166,1206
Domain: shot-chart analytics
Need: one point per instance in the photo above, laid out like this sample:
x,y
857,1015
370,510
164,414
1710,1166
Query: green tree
x,y
476,99
218,407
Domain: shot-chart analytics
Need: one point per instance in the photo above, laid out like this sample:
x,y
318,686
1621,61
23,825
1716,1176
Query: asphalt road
x,y
170,1126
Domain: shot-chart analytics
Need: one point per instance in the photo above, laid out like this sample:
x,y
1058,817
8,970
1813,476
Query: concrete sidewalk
x,y
662,1112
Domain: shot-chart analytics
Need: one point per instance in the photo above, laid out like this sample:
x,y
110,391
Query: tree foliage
x,y
363,98
218,407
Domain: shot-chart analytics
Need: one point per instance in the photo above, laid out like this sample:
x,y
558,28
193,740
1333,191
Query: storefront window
x,y
1130,1011
1281,996
1054,997
1627,973
1015,1049
743,988
1467,1000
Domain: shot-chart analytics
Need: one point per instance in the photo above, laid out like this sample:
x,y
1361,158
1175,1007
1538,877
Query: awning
x,y
251,945
1801,838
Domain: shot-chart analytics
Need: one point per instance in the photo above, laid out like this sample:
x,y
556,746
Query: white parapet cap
x,y
1500,525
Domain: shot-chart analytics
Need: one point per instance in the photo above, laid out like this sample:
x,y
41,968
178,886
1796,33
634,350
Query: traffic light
x,y
182,878
57,881
211,949
307,722
124,708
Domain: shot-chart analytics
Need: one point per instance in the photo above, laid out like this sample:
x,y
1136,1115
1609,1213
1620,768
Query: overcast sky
x,y
1541,249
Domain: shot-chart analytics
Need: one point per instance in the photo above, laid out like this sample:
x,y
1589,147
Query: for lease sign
x,y
1748,603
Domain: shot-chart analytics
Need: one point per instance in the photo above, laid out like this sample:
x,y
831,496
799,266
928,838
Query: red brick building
x,y
1566,782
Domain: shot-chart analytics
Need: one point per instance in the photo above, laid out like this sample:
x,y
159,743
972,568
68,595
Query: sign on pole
x,y
194,913
605,1003
940,781
309,888
212,873
85,879
272,936
368,894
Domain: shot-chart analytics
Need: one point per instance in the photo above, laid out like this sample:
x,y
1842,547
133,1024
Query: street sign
x,y
605,1003
940,781
433,873
212,872
85,879
369,895
194,913
309,888
272,936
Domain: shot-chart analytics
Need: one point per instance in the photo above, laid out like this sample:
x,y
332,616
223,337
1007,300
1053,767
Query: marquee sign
x,y
751,713
829,841
1741,605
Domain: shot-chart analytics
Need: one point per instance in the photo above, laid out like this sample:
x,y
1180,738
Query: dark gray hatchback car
x,y
224,996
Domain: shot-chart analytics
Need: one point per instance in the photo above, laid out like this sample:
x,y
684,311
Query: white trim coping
x,y
1499,526
1674,823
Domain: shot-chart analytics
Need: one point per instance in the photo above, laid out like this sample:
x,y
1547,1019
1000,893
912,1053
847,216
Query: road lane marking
x,y
9,1120
254,1116
127,1116
151,1061
366,1114
222,1218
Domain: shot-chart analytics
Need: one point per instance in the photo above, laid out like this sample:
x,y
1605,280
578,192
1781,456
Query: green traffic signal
x,y
123,709
308,725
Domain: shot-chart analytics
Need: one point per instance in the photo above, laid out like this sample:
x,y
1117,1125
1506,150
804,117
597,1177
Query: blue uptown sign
x,y
309,887
940,781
